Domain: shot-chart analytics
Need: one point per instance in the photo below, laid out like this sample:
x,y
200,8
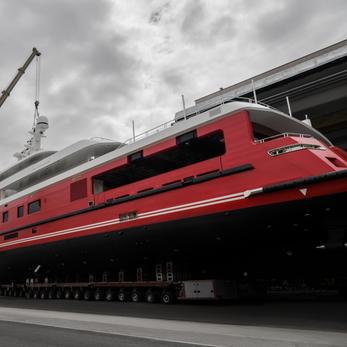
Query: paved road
x,y
78,323
30,335
321,315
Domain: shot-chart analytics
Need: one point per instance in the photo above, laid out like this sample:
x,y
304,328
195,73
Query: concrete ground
x,y
30,335
74,323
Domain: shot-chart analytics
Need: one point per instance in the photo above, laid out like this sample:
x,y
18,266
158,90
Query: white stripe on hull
x,y
145,215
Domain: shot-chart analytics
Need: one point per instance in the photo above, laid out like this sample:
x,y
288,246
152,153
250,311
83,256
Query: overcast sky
x,y
107,62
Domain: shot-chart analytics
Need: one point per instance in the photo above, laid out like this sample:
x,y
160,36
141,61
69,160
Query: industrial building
x,y
315,84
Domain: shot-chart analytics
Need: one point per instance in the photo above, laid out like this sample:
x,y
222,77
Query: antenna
x,y
307,120
289,109
254,93
184,107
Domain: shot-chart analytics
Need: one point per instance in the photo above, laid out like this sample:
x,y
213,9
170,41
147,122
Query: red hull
x,y
244,177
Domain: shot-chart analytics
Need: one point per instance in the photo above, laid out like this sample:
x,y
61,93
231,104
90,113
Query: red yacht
x,y
235,189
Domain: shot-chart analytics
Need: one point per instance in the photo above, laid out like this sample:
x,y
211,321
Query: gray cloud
x,y
84,65
192,24
223,28
297,21
156,15
174,80
109,61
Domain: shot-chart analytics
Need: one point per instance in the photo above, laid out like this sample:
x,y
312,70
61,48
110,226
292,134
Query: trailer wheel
x,y
43,294
167,297
136,295
122,295
67,294
77,295
59,294
35,294
151,296
88,295
110,295
98,295
28,294
51,294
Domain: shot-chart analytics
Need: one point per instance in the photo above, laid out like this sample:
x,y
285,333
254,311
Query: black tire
x,y
28,294
110,295
88,295
59,294
67,294
35,294
136,295
151,296
98,295
43,294
51,294
122,295
77,294
167,297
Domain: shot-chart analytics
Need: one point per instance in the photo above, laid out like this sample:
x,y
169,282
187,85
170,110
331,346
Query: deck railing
x,y
206,107
150,132
282,135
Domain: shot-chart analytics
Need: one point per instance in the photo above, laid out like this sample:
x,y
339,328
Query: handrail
x,y
150,132
206,107
223,100
282,135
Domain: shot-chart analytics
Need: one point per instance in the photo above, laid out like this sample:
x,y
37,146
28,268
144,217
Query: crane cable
x,y
37,89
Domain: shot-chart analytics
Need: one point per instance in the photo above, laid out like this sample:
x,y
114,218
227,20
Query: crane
x,y
21,70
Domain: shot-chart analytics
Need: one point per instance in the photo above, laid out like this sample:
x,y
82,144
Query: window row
x,y
189,150
33,207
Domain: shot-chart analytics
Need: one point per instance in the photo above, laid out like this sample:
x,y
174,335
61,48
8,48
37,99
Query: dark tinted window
x,y
34,206
189,150
185,138
10,236
5,216
135,156
20,211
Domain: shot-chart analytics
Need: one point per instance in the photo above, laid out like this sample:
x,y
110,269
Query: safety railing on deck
x,y
281,135
150,132
206,107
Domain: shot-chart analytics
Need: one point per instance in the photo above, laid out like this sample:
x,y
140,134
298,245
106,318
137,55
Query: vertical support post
x,y
139,274
133,126
184,107
289,109
254,93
